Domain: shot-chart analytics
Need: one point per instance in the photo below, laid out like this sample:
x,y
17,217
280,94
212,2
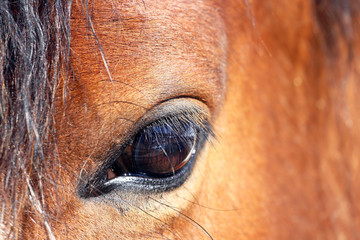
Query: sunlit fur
x,y
278,80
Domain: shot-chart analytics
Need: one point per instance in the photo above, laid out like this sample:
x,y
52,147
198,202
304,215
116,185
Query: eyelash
x,y
100,185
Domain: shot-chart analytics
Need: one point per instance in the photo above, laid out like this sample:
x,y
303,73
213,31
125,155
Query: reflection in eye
x,y
162,150
159,150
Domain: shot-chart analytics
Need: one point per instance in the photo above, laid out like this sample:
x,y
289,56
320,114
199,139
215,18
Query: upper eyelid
x,y
188,112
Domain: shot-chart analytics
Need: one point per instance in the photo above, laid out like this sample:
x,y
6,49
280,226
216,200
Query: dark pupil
x,y
163,150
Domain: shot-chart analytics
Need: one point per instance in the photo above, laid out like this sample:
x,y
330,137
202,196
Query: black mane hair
x,y
34,48
335,22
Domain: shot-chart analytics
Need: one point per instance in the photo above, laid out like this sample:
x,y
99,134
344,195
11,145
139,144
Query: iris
x,y
159,150
162,150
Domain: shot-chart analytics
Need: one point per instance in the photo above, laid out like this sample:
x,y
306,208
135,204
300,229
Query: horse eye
x,y
159,150
159,157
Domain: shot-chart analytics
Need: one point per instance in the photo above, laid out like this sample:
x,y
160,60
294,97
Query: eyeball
x,y
163,150
159,150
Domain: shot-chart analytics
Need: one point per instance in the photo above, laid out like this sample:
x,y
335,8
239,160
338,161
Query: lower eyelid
x,y
139,184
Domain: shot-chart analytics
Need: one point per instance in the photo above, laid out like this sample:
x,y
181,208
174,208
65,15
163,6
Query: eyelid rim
x,y
171,108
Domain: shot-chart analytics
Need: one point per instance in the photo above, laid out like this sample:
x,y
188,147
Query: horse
x,y
211,119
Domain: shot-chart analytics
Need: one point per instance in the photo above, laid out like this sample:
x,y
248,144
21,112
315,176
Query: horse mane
x,y
34,48
34,56
334,20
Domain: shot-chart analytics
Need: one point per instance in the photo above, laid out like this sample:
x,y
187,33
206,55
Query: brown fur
x,y
279,85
